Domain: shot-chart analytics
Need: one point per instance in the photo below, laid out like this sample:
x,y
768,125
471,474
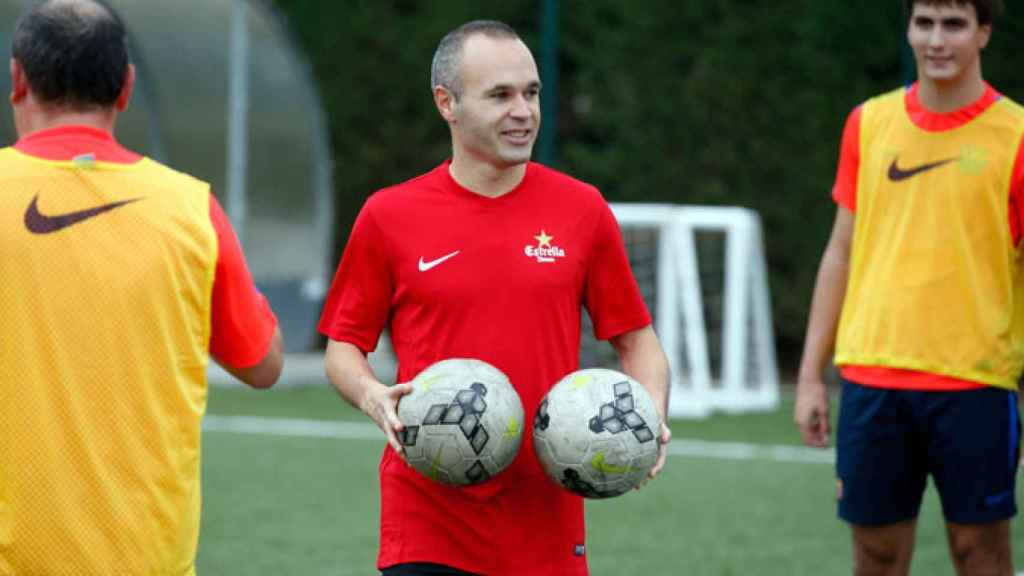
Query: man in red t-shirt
x,y
449,263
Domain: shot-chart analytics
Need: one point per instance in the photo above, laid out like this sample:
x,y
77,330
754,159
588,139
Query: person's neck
x,y
35,118
485,179
943,97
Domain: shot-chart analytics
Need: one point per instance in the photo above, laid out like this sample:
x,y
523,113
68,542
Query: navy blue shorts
x,y
890,441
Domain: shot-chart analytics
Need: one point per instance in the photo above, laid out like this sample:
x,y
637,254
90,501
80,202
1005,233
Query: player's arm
x,y
244,336
352,376
264,373
811,412
642,359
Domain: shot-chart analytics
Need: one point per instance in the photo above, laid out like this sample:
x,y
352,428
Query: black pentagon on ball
x,y
434,414
541,420
643,435
479,439
572,480
614,425
408,436
633,420
465,397
479,406
624,403
453,415
468,424
622,388
477,473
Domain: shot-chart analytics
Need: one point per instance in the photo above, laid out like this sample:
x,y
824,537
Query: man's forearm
x,y
642,358
349,372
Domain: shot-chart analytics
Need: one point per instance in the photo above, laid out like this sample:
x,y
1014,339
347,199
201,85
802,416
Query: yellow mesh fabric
x,y
103,355
935,282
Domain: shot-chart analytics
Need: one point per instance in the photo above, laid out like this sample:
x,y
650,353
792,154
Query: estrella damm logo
x,y
544,251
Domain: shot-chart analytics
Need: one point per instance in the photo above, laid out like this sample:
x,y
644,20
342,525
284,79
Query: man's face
x,y
946,39
497,115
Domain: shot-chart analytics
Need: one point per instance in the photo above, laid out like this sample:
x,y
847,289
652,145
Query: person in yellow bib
x,y
920,295
119,278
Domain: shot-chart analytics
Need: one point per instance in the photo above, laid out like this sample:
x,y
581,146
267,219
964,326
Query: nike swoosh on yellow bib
x,y
897,174
38,223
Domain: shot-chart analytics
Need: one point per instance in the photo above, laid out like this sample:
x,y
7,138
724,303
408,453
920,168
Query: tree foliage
x,y
732,102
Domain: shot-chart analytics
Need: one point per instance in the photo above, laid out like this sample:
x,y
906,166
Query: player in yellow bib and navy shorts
x,y
920,294
119,279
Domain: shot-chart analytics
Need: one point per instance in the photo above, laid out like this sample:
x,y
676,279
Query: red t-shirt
x,y
242,322
456,274
844,192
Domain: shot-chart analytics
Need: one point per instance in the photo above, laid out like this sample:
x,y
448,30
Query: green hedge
x,y
732,102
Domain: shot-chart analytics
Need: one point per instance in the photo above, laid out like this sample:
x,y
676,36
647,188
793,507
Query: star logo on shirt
x,y
543,240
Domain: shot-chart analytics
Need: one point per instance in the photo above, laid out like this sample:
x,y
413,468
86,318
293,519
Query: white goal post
x,y
703,274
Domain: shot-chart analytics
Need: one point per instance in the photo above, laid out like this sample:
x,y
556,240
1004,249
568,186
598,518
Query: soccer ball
x,y
463,422
596,433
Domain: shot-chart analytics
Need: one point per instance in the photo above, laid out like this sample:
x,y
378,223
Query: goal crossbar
x,y
746,378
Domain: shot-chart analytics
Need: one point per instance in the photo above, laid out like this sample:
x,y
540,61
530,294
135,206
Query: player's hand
x,y
811,412
381,405
664,437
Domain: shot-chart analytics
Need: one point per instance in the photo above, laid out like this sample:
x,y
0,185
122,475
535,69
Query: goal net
x,y
703,276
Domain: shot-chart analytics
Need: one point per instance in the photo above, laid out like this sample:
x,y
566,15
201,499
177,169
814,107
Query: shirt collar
x,y
930,121
64,143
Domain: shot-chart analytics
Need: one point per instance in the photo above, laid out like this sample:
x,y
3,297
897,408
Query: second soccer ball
x,y
596,433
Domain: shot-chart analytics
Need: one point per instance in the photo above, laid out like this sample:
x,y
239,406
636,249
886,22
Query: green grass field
x,y
284,501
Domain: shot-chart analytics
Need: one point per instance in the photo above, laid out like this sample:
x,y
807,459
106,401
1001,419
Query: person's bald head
x,y
74,53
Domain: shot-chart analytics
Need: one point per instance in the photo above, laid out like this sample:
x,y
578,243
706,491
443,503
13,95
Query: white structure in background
x,y
288,244
236,201
703,274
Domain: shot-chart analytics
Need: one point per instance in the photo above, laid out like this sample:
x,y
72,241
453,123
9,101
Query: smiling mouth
x,y
517,134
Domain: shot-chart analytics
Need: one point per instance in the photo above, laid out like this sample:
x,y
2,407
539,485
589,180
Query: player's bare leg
x,y
981,549
883,550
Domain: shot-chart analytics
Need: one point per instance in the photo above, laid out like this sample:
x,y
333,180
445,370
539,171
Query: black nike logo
x,y
38,223
896,174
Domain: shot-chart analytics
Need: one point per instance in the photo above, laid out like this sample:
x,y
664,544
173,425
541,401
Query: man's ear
x,y
446,102
126,91
19,83
984,35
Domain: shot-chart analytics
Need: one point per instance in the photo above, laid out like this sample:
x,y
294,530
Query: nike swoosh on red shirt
x,y
424,266
897,174
39,223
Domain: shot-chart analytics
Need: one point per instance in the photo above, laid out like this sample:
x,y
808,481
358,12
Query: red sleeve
x,y
242,323
1017,195
359,300
844,191
611,294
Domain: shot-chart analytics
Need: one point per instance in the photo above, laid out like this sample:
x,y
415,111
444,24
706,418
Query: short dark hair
x,y
444,69
74,52
988,10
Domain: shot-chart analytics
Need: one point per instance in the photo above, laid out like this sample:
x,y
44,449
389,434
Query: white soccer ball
x,y
463,422
596,433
